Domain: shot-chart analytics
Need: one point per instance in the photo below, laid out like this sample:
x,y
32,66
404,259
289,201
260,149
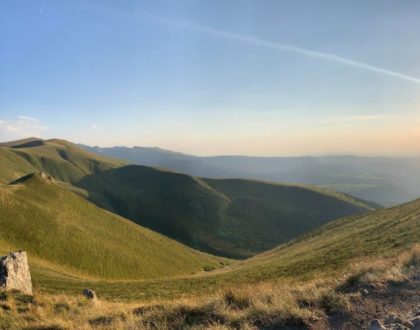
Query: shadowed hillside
x,y
384,180
235,218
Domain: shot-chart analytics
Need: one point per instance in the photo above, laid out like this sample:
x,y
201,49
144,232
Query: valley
x,y
82,220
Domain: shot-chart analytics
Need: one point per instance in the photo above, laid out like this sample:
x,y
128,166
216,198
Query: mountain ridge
x,y
384,180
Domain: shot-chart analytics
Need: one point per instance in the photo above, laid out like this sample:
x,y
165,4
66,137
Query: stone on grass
x,y
14,273
364,292
89,294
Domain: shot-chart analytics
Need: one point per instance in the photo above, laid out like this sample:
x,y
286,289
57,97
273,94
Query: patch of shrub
x,y
208,268
61,307
25,299
236,301
3,296
102,321
334,303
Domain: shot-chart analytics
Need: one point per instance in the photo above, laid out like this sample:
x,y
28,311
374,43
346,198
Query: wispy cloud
x,y
94,126
22,126
287,48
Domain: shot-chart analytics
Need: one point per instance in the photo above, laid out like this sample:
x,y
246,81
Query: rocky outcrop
x,y
14,273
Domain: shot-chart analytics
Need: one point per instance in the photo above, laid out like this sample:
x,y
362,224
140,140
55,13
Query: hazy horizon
x,y
290,78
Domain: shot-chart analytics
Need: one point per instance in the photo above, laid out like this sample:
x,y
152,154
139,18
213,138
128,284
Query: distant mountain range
x,y
384,180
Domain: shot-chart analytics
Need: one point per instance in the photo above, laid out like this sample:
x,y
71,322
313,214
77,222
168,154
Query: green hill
x,y
235,218
12,166
381,233
322,254
61,159
63,232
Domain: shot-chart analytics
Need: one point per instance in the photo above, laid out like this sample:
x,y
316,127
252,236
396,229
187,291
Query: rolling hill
x,y
234,218
325,253
61,159
342,275
73,244
384,180
62,231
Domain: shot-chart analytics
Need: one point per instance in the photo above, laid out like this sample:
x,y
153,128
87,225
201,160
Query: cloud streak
x,y
41,11
290,48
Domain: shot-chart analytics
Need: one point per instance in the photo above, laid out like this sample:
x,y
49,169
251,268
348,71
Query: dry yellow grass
x,y
274,303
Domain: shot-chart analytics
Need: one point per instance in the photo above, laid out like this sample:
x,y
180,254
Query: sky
x,y
207,77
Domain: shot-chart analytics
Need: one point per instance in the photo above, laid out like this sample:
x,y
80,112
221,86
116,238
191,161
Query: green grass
x,y
324,253
12,166
73,243
63,232
63,160
234,218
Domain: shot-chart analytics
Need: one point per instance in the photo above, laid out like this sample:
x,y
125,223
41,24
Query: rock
x,y
47,177
416,323
90,294
376,325
14,273
364,292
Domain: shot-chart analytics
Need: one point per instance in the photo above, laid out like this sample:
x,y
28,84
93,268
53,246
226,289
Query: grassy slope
x,y
323,253
63,233
237,218
61,159
180,206
380,233
12,166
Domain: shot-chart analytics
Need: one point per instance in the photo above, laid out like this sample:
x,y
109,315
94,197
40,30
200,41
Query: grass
x,y
12,166
270,304
234,218
231,218
62,231
145,280
324,253
61,159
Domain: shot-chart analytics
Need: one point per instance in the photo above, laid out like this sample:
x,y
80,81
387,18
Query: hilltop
x,y
59,158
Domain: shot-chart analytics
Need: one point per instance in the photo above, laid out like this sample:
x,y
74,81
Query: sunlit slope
x,y
57,226
237,218
323,253
12,166
61,159
375,234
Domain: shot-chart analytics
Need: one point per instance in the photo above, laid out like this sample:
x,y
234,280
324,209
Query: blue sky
x,y
214,76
